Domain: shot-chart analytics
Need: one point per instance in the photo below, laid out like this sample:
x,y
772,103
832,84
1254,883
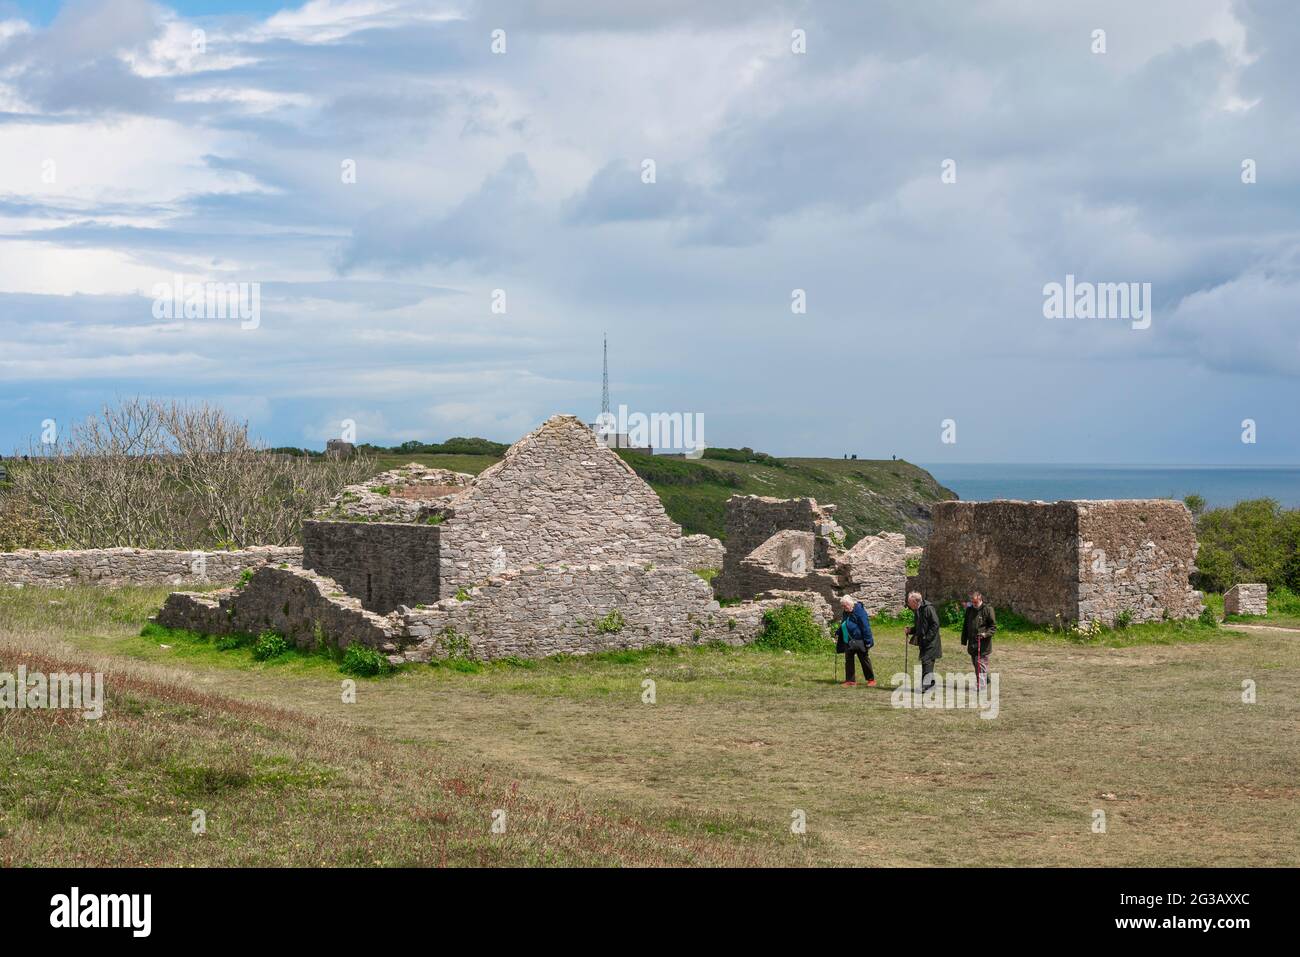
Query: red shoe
x,y
871,683
850,684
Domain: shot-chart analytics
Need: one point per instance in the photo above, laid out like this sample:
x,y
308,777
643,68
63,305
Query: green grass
x,y
1132,722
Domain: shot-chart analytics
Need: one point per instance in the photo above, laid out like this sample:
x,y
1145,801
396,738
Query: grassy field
x,y
872,495
1145,724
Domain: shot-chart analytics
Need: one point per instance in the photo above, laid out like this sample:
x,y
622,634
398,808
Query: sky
x,y
443,207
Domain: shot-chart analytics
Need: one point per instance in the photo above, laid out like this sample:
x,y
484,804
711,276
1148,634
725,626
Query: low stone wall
x,y
1246,600
702,552
536,612
529,613
300,605
113,567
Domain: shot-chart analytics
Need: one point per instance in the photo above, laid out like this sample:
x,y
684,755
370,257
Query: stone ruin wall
x,y
382,564
114,567
536,612
525,613
304,607
703,552
753,519
799,553
558,497
874,572
1136,556
1246,600
1044,560
1021,555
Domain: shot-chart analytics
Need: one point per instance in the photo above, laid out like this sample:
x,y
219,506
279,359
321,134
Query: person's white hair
x,y
913,594
846,601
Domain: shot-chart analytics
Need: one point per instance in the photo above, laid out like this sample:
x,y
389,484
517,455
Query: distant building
x,y
338,449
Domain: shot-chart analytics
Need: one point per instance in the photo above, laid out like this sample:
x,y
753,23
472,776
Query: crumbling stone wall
x,y
1067,561
702,552
1246,600
113,567
558,497
382,564
412,493
535,612
783,563
527,613
874,572
1136,556
753,519
304,607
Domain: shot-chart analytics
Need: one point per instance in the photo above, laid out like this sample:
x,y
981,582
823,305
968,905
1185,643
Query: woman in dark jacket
x,y
855,639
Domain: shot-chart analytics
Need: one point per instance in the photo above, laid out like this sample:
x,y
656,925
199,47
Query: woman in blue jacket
x,y
855,640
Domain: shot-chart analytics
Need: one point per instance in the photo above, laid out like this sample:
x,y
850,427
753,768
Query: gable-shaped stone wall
x,y
557,497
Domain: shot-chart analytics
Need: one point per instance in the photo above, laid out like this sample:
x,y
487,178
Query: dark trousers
x,y
981,666
927,673
859,650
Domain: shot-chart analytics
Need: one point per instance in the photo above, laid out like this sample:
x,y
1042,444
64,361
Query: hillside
x,y
873,495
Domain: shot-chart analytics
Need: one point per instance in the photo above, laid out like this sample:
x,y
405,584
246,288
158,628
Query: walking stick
x,y
907,677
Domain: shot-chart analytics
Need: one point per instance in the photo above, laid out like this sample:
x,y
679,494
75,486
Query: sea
x,y
1218,485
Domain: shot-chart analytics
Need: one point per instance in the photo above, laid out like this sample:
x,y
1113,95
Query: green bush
x,y
269,645
1207,617
1124,619
363,662
745,454
1253,541
792,628
611,623
1283,601
237,640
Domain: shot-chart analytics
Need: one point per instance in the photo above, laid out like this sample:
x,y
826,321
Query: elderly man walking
x,y
855,639
977,635
924,633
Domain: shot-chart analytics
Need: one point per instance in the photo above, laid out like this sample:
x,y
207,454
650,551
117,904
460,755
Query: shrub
x,y
269,645
363,662
611,623
1124,619
1207,617
233,641
244,578
1283,601
792,628
1253,541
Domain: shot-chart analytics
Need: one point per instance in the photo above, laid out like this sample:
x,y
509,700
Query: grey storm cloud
x,y
775,171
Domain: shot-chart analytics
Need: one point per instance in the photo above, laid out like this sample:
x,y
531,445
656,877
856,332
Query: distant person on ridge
x,y
924,633
855,639
977,635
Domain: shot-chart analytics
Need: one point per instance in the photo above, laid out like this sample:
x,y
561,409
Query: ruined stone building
x,y
559,547
776,545
1071,561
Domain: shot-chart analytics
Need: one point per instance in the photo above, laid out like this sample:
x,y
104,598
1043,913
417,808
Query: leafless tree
x,y
154,474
